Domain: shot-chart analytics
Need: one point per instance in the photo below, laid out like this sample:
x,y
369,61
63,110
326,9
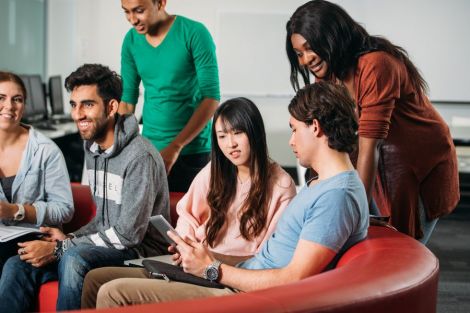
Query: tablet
x,y
162,225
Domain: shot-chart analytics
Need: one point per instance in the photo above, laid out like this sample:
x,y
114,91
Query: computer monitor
x,y
55,95
38,96
28,109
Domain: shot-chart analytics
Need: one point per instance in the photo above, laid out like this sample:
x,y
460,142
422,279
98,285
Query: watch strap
x,y
214,265
20,214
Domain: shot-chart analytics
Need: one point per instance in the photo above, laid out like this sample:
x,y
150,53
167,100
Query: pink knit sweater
x,y
194,211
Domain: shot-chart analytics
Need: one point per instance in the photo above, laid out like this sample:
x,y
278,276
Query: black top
x,y
7,183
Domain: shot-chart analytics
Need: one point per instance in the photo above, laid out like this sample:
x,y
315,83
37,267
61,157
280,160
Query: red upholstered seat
x,y
84,205
174,198
388,272
85,210
47,297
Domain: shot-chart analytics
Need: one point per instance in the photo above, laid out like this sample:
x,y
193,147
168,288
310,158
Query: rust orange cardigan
x,y
417,157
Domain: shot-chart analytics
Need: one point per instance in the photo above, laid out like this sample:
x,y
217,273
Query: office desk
x,y
68,140
62,129
460,135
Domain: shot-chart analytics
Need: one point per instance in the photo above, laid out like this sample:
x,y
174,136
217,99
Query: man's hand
x,y
195,256
126,108
169,155
38,253
176,256
52,234
7,210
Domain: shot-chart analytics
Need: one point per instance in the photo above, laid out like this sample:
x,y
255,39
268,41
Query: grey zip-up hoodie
x,y
129,184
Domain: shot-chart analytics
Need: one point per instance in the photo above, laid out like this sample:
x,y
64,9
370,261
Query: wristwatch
x,y
211,272
19,215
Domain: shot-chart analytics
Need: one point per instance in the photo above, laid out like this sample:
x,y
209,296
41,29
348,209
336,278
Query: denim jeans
x,y
20,281
426,225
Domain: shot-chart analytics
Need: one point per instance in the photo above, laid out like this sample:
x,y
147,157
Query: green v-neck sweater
x,y
177,75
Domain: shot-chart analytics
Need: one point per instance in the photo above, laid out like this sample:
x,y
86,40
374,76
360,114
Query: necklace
x,y
240,181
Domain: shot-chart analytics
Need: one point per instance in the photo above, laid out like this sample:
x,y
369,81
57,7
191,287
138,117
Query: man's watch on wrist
x,y
20,214
212,271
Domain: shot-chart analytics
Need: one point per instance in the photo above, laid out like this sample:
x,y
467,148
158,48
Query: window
x,y
23,36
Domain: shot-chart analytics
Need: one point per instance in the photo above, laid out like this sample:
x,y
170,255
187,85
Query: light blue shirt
x,y
42,181
333,213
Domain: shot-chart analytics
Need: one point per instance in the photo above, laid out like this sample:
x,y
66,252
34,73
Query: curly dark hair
x,y
108,83
334,109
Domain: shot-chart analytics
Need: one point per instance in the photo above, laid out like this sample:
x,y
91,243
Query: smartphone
x,y
162,225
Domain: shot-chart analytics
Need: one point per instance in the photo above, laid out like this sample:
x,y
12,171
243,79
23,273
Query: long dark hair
x,y
239,114
339,41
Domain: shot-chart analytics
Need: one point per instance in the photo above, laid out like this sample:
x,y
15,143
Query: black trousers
x,y
185,169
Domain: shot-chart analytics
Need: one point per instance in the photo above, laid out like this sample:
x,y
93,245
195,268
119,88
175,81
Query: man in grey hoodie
x,y
128,181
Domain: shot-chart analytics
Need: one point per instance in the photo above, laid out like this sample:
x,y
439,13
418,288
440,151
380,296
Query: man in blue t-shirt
x,y
329,214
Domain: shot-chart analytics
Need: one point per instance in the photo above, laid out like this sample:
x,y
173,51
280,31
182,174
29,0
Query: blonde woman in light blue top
x,y
34,183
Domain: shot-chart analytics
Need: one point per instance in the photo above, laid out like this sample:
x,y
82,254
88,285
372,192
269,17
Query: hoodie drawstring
x,y
94,176
104,202
104,205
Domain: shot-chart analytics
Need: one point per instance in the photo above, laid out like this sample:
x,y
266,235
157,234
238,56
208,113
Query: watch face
x,y
19,216
212,273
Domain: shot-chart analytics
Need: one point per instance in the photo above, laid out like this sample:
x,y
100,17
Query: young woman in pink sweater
x,y
233,204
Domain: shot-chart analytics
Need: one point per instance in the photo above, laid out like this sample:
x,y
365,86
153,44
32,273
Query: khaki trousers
x,y
118,286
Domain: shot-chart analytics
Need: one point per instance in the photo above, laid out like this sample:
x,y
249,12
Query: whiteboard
x,y
251,54
250,38
251,45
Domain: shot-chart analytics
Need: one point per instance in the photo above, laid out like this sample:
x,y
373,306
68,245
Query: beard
x,y
98,132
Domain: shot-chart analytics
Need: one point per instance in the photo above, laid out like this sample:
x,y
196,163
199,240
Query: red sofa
x,y
388,272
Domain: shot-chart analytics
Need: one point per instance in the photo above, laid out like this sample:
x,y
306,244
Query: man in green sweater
x,y
175,59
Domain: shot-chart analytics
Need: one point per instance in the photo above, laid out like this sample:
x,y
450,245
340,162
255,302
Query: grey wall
x,y
249,35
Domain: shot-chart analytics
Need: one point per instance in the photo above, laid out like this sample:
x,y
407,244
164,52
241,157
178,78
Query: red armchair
x,y
85,210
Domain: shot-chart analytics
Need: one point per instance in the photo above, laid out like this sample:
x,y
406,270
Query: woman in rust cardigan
x,y
406,157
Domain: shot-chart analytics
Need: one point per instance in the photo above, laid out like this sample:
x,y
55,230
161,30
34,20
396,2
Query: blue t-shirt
x,y
333,213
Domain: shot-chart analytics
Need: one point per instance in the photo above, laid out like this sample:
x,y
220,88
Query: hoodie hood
x,y
125,129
